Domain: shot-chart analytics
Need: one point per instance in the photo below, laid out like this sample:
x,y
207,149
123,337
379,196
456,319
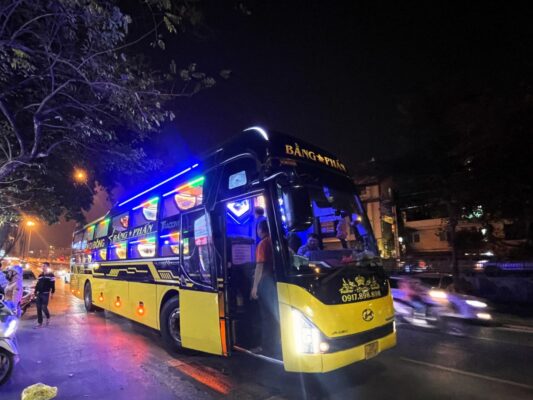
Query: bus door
x,y
241,239
201,303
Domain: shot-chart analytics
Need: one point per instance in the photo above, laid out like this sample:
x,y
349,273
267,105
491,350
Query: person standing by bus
x,y
259,215
264,290
44,288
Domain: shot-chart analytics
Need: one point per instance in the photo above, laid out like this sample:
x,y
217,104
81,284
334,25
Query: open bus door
x,y
201,302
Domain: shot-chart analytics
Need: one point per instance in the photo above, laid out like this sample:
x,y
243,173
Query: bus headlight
x,y
306,335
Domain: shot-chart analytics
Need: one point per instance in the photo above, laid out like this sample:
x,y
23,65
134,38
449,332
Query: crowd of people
x,y
12,288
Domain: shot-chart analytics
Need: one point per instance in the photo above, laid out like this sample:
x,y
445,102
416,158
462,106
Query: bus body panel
x,y
100,298
74,284
334,321
118,294
106,291
200,324
142,303
343,358
340,319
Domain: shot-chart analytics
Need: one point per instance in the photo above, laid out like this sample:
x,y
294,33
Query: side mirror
x,y
298,208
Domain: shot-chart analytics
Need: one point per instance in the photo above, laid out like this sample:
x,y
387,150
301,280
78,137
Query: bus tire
x,y
170,324
88,298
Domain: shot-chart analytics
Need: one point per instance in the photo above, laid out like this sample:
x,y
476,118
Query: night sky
x,y
333,72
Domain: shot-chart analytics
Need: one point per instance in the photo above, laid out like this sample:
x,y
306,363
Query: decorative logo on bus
x,y
313,156
359,288
368,314
97,244
139,231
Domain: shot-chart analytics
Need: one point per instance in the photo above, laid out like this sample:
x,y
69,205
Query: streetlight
x,y
80,175
29,224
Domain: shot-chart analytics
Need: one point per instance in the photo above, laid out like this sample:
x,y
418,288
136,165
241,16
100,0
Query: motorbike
x,y
9,354
419,312
28,298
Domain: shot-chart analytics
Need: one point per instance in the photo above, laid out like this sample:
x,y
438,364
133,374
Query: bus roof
x,y
261,143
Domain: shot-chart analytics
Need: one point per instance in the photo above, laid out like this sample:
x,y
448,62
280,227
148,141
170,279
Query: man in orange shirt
x,y
264,290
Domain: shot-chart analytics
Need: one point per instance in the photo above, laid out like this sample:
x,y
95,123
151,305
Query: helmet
x,y
17,269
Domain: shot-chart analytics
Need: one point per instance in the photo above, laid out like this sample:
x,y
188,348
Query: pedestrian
x,y
13,290
44,288
3,281
264,291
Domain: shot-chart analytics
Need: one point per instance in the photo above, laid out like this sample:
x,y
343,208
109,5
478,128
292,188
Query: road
x,y
103,356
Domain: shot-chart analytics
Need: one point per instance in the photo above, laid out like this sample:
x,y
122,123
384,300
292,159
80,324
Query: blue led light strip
x,y
159,184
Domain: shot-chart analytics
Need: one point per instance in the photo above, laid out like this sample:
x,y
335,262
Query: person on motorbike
x,y
3,281
13,291
414,293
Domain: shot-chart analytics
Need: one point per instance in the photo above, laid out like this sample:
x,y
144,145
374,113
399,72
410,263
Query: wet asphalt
x,y
103,356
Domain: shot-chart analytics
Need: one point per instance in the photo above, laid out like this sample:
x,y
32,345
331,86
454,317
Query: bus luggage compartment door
x,y
199,321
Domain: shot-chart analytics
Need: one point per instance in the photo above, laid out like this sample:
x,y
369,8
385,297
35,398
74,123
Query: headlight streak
x,y
11,328
476,303
438,294
483,315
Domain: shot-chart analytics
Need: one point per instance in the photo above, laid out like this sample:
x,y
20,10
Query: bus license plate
x,y
371,350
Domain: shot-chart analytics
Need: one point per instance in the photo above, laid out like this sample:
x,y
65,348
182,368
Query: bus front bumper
x,y
326,362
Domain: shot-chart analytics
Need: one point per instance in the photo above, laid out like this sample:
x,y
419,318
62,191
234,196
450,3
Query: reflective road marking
x,y
466,373
516,328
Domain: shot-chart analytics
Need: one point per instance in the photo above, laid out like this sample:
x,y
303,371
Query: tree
x,y
468,150
74,94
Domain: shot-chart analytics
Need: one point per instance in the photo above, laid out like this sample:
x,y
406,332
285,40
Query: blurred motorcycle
x,y
421,304
8,343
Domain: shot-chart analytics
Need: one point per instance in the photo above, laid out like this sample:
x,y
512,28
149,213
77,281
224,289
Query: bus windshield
x,y
340,235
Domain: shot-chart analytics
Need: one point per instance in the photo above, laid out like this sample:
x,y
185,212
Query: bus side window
x,y
198,253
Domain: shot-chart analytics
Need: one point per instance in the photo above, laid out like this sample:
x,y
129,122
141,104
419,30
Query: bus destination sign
x,y
315,156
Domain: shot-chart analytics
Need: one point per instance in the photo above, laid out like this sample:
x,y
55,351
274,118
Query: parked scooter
x,y
8,343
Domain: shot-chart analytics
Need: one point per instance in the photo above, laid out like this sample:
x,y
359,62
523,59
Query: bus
x,y
179,257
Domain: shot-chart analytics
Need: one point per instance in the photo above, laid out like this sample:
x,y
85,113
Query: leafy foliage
x,y
73,94
467,150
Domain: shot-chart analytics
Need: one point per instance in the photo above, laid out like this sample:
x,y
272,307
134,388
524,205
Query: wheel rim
x,y
4,365
174,325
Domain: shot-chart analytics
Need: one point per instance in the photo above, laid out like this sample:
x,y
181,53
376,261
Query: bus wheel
x,y
88,298
170,324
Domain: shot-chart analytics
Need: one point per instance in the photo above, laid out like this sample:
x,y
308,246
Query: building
x,y
377,195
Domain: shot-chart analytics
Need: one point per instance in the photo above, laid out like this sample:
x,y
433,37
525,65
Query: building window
x,y
444,236
416,237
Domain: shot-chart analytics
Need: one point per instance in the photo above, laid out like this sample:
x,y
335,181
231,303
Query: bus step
x,y
261,356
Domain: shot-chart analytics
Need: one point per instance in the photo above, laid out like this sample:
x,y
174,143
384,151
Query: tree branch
x,y
11,121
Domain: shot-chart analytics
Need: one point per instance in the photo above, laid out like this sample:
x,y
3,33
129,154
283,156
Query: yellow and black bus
x,y
180,256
